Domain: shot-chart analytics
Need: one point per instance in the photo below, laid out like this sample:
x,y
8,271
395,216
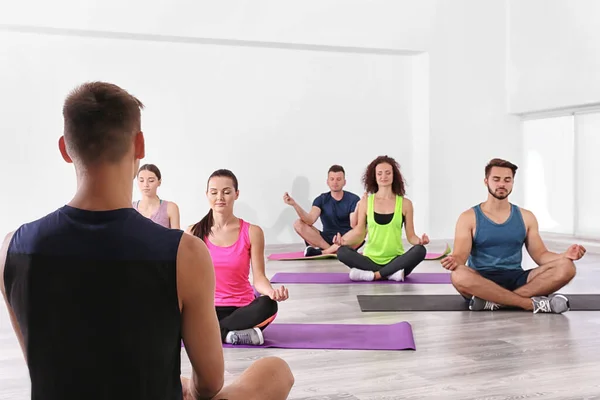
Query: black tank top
x,y
95,295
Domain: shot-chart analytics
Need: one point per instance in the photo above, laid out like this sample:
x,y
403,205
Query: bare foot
x,y
331,249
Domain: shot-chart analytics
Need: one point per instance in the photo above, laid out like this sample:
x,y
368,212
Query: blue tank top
x,y
95,296
498,245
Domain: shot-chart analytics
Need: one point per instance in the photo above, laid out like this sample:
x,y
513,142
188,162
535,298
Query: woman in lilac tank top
x,y
165,213
234,246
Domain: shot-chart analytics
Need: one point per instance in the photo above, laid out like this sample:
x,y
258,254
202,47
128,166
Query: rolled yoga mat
x,y
343,277
454,302
337,337
299,255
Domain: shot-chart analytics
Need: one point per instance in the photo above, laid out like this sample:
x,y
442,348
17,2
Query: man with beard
x,y
337,210
486,261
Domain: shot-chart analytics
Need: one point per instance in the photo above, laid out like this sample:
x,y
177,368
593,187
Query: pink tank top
x,y
232,270
160,216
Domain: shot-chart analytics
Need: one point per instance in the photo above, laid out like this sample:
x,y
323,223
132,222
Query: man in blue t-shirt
x,y
337,210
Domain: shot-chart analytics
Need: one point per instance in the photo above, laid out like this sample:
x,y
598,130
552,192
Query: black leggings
x,y
408,261
258,314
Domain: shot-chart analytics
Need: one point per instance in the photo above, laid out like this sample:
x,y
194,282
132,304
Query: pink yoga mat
x,y
337,337
343,277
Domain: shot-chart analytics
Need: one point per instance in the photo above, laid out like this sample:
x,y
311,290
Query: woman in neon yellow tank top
x,y
382,212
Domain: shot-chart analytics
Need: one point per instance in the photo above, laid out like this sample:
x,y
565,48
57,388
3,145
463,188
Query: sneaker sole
x,y
260,335
567,300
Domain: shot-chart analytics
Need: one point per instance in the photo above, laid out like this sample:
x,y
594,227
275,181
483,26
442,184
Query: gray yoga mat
x,y
453,302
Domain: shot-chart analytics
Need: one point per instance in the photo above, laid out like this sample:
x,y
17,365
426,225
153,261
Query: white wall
x,y
554,54
394,24
462,72
469,124
277,118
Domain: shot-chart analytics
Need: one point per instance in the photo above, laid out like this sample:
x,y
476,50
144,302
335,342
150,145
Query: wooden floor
x,y
460,355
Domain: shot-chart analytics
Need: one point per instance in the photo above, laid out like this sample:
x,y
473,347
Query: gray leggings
x,y
408,261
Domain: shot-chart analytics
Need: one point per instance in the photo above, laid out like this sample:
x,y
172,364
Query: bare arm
x,y
354,215
199,324
533,242
173,212
13,318
409,227
308,218
257,254
463,237
357,234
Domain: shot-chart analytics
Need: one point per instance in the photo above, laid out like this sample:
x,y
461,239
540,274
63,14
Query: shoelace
x,y
239,338
543,306
490,306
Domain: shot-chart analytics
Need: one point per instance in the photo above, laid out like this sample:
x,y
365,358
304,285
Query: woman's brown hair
x,y
370,180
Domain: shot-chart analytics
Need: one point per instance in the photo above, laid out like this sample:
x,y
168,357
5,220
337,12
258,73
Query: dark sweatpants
x,y
258,314
408,261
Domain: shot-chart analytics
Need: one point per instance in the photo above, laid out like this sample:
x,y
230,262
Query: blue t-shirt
x,y
335,215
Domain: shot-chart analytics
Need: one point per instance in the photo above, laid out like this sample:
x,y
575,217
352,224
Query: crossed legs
x,y
541,281
258,314
313,237
406,262
269,378
310,234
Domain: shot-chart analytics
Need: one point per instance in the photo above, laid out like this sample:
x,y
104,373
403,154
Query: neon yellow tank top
x,y
384,242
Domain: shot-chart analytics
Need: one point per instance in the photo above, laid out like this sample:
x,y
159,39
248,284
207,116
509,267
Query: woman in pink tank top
x,y
165,213
234,246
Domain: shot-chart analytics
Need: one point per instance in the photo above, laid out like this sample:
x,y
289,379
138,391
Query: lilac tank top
x,y
160,216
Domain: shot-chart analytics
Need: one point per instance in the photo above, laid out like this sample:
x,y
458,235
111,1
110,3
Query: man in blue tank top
x,y
337,210
486,261
100,297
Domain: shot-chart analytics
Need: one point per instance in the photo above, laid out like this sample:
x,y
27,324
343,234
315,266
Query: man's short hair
x,y
99,121
336,168
498,162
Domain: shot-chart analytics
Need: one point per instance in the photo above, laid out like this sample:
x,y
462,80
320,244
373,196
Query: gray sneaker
x,y
555,303
251,336
478,304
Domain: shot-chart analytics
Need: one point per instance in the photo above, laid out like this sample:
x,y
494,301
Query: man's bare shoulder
x,y
194,265
467,217
192,245
526,212
528,216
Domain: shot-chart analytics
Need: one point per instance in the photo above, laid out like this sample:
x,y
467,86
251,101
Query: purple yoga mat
x,y
337,337
343,277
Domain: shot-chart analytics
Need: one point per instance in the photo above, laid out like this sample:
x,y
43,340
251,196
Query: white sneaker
x,y
361,275
397,276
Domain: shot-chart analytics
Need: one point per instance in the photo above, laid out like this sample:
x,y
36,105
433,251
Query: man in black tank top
x,y
100,297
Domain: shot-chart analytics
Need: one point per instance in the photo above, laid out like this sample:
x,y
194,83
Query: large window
x,y
548,172
561,171
587,164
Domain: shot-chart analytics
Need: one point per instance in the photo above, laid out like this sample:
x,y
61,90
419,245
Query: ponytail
x,y
204,228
